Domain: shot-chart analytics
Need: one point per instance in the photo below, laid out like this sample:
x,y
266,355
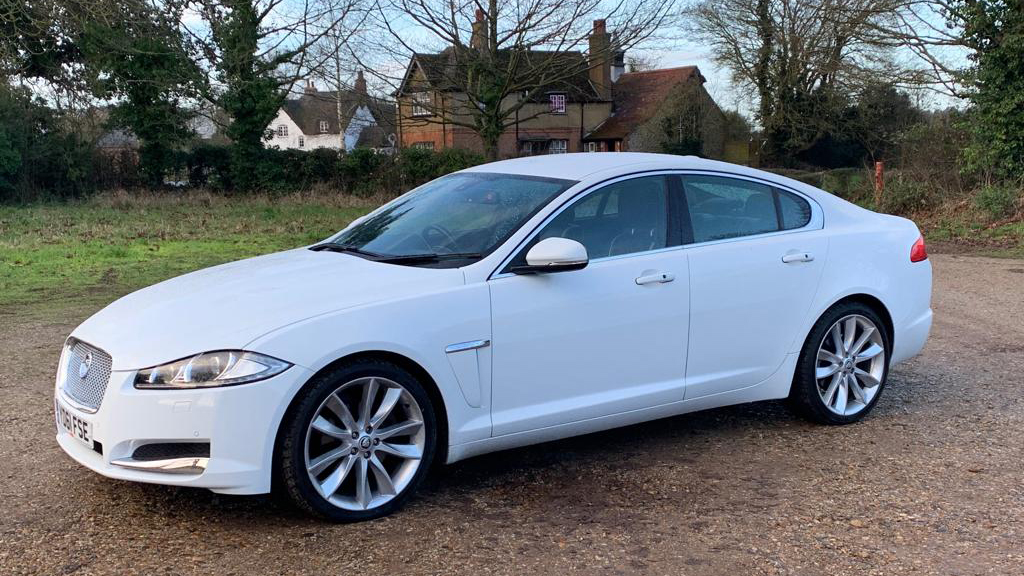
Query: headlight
x,y
209,369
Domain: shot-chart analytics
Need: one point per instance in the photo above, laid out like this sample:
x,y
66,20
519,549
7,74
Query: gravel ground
x,y
930,483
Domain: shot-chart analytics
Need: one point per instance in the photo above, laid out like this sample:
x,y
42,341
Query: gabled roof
x,y
637,96
313,106
445,73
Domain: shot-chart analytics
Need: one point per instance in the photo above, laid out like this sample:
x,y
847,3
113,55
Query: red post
x,y
879,182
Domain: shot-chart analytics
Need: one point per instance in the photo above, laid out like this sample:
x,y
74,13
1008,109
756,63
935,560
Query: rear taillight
x,y
918,252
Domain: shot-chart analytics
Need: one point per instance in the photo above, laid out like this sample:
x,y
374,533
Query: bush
x,y
209,165
361,171
998,201
905,196
39,157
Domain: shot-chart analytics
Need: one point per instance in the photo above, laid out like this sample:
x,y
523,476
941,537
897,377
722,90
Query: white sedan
x,y
507,304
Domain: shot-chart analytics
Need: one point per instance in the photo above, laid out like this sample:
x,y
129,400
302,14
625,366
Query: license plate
x,y
79,428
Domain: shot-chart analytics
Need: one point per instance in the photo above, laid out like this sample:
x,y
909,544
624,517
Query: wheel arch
x,y
870,301
406,363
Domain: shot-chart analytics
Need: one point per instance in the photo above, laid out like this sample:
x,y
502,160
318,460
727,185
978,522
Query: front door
x,y
607,339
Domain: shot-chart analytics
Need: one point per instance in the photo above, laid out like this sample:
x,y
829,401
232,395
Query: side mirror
x,y
553,255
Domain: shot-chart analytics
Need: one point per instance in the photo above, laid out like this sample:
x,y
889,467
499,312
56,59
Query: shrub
x,y
209,165
905,196
40,157
998,201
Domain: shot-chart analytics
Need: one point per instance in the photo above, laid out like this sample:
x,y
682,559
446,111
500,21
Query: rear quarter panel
x,y
870,254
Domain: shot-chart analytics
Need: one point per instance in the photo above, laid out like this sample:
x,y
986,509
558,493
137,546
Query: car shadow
x,y
600,457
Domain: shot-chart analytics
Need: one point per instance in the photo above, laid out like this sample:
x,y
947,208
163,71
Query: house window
x,y
302,141
558,147
423,145
557,103
530,147
591,146
323,126
421,104
282,131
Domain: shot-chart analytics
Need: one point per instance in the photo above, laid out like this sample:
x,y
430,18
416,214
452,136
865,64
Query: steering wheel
x,y
438,229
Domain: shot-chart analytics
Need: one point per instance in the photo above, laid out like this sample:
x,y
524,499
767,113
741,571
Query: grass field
x,y
90,251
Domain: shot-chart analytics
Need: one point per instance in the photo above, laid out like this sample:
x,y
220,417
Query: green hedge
x,y
360,171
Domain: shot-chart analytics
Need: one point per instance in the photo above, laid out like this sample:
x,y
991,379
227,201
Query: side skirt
x,y
774,387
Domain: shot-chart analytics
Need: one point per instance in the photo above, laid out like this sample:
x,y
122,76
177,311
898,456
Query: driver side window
x,y
622,218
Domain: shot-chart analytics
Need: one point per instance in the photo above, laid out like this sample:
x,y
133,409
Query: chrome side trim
x,y
189,465
463,346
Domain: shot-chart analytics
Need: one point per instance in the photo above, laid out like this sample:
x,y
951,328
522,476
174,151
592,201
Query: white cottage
x,y
315,120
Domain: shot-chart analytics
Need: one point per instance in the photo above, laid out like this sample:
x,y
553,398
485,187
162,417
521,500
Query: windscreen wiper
x,y
418,258
345,249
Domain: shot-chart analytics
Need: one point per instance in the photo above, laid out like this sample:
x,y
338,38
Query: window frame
x,y
677,208
674,236
561,150
324,126
421,102
816,221
302,141
282,131
561,99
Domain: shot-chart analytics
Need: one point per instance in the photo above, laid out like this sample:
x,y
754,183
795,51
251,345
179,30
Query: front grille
x,y
87,391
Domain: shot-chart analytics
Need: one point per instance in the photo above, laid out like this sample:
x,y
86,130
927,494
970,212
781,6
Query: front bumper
x,y
240,424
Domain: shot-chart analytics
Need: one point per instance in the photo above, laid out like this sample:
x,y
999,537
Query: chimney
x,y
310,88
478,39
618,65
360,86
600,60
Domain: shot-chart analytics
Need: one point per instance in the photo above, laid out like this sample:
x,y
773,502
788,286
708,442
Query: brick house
x,y
600,107
343,119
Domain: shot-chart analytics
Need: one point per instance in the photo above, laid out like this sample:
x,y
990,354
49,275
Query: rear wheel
x,y
843,365
359,442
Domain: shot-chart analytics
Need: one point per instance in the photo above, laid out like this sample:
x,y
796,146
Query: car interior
x,y
622,218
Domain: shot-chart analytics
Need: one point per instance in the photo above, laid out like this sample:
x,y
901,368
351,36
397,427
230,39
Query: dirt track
x,y
930,483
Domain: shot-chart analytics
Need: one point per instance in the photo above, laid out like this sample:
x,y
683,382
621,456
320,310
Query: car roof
x,y
589,167
583,166
577,166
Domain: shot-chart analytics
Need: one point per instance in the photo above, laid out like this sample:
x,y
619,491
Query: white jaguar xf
x,y
508,304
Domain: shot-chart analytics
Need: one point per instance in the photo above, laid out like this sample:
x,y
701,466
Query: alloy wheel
x,y
365,443
850,365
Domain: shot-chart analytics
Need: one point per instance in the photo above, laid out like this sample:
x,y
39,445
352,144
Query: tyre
x,y
843,365
358,442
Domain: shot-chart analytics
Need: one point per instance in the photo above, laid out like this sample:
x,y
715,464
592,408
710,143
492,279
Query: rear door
x,y
756,256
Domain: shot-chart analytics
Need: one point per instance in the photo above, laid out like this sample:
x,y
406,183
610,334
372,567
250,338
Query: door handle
x,y
656,278
798,257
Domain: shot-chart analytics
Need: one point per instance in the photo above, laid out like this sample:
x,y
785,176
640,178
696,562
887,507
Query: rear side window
x,y
796,212
721,208
725,208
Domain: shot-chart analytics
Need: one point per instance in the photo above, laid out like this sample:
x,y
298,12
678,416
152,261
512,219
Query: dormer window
x,y
324,126
557,103
282,131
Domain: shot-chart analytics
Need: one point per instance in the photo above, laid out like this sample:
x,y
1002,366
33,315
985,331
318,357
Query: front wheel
x,y
358,443
843,365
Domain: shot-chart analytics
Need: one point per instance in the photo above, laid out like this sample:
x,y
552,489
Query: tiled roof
x,y
443,70
309,109
637,96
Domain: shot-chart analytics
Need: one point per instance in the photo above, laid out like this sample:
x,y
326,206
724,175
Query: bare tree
x,y
499,56
256,51
803,58
642,62
335,58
